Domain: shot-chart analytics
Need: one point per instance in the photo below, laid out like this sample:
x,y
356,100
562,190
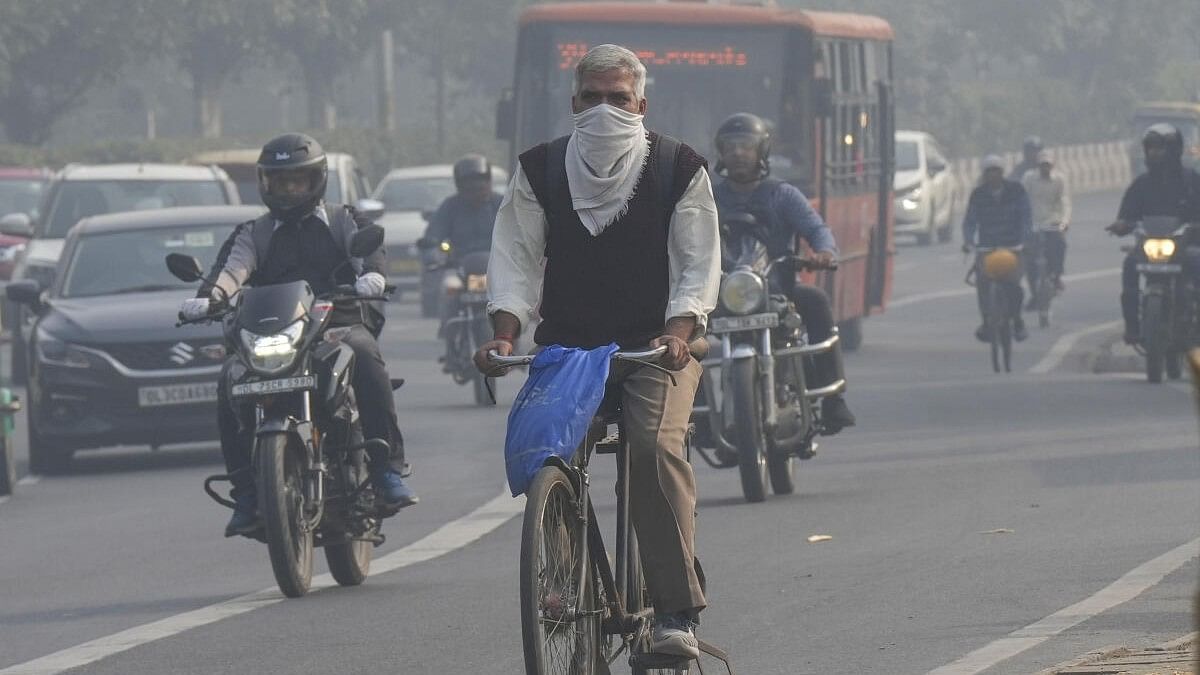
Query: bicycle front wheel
x,y
560,624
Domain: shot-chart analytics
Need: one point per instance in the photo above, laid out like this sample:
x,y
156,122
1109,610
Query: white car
x,y
409,196
926,197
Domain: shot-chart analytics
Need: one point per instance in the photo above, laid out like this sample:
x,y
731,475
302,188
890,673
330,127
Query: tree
x,y
53,51
211,40
327,37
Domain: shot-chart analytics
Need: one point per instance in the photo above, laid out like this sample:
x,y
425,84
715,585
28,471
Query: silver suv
x,y
79,191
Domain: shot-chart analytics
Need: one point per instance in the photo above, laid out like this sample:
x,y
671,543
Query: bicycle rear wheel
x,y
560,626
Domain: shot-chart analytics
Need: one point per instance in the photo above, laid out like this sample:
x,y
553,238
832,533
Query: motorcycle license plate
x,y
275,386
730,324
177,394
1160,268
472,298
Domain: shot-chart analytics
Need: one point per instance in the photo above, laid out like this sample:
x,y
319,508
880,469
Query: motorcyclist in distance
x,y
744,143
1166,189
301,238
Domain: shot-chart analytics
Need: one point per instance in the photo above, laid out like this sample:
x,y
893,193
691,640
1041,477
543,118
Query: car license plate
x,y
730,324
177,394
470,298
275,386
1160,268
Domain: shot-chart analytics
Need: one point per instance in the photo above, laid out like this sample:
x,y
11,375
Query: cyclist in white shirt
x,y
1050,197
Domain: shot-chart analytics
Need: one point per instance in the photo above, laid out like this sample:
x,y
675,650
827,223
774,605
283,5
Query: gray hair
x,y
605,58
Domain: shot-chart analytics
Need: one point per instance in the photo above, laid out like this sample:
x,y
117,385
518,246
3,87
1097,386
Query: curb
x,y
1098,656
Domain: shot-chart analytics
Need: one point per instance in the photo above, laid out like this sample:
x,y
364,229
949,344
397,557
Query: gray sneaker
x,y
675,634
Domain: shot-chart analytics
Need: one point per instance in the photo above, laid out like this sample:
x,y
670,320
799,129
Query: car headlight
x,y
55,352
273,353
1158,250
742,292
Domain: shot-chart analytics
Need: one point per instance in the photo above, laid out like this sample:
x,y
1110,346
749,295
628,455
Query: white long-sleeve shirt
x,y
517,265
1050,199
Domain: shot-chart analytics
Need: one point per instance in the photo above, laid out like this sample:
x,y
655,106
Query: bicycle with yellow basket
x,y
997,275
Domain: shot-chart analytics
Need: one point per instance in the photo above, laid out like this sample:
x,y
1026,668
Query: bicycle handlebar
x,y
646,356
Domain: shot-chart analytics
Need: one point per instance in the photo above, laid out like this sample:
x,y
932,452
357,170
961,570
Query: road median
x,y
1176,657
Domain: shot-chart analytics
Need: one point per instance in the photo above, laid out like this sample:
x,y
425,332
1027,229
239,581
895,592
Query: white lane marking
x,y
1064,344
958,292
3,499
30,479
449,537
1128,587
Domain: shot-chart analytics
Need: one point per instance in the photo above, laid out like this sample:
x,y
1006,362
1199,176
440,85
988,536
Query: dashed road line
x,y
448,538
30,479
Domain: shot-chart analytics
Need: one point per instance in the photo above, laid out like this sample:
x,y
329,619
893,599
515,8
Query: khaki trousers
x,y
662,494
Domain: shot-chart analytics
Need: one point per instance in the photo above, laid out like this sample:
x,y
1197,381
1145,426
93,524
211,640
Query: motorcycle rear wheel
x,y
748,431
281,505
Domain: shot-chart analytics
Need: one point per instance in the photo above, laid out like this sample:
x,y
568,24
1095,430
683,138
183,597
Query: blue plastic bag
x,y
551,413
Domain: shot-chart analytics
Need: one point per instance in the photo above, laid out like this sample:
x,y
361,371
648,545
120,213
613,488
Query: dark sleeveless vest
x,y
613,287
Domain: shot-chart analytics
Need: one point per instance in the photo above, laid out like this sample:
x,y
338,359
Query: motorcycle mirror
x,y
184,267
366,241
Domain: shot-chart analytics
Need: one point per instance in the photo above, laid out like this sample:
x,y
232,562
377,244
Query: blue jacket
x,y
1005,220
789,213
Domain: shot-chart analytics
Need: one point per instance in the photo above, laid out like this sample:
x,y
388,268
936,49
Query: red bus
x,y
822,79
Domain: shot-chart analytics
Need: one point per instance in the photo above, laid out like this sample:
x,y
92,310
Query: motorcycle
x,y
1169,300
464,289
309,459
761,415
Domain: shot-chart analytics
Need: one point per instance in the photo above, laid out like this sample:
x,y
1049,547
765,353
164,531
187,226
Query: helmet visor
x,y
289,186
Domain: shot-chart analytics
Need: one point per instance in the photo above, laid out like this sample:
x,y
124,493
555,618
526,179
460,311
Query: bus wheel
x,y
852,334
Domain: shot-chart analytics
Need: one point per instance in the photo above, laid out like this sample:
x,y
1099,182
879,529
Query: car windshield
x,y
133,261
79,199
20,195
415,194
907,156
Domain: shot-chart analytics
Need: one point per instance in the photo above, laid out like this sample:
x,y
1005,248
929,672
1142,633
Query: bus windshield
x,y
696,77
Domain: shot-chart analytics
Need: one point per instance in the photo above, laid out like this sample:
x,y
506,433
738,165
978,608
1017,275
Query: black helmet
x,y
1167,136
285,154
751,127
471,166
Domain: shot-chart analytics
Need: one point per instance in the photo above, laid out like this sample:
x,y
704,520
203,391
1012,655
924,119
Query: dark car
x,y
107,366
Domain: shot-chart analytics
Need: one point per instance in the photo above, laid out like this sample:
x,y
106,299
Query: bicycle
x,y
578,615
999,314
1044,290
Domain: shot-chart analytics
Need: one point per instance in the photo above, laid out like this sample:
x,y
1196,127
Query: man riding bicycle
x,y
631,261
1050,198
999,213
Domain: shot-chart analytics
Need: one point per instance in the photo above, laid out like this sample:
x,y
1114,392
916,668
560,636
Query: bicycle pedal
x,y
608,445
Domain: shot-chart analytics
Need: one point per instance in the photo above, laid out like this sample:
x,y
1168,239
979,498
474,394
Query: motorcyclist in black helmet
x,y
465,219
744,144
1029,154
302,238
1166,189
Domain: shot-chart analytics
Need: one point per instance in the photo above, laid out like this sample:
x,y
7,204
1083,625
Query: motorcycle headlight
x,y
1158,250
742,292
272,353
